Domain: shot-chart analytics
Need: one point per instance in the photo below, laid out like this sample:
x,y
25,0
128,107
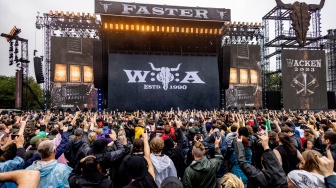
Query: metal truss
x,y
63,25
284,38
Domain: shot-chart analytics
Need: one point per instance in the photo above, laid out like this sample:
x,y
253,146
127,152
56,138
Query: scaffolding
x,y
284,38
63,25
331,59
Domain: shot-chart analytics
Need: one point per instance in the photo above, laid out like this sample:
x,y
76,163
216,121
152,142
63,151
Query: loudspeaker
x,y
38,70
273,100
97,64
331,100
18,89
225,69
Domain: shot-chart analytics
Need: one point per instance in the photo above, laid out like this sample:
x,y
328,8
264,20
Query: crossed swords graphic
x,y
304,85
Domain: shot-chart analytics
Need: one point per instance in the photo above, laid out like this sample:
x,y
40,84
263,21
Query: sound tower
x,y
97,64
225,74
38,70
331,100
273,100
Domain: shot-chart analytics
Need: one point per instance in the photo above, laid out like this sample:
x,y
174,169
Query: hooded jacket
x,y
163,167
53,174
202,173
76,150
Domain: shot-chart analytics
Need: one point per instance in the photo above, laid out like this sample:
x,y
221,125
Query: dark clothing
x,y
333,153
95,179
175,154
289,160
146,182
75,151
272,176
123,179
30,153
202,173
296,142
330,181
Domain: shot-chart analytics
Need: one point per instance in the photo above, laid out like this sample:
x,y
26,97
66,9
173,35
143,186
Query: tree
x,y
7,94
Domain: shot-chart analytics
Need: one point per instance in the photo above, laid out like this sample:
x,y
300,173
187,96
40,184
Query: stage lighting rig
x,y
241,33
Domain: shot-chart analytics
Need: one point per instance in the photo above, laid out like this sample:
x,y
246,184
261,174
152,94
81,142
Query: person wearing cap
x,y
202,171
53,174
32,149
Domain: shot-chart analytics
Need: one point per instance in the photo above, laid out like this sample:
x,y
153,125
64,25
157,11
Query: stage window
x,y
233,76
243,74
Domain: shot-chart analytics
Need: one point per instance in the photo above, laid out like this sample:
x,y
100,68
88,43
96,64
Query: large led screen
x,y
304,79
159,82
245,89
71,73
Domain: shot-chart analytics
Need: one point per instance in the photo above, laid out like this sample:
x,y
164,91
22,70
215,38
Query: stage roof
x,y
132,27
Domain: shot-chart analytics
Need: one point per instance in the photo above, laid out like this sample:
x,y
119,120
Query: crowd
x,y
190,148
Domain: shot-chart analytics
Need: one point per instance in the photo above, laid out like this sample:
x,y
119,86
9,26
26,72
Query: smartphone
x,y
14,136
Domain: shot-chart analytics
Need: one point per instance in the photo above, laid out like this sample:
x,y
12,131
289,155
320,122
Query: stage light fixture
x,y
60,73
233,76
243,75
16,43
75,73
88,74
254,76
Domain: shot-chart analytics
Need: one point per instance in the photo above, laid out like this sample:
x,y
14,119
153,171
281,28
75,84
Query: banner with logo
x,y
304,79
159,82
71,74
162,11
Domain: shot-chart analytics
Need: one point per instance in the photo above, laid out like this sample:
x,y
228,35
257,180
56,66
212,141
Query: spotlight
x,y
16,43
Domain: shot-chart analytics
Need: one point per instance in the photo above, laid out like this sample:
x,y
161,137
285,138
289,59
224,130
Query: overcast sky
x,y
22,14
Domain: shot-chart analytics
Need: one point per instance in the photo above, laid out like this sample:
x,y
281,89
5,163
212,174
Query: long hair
x,y
311,161
230,180
286,142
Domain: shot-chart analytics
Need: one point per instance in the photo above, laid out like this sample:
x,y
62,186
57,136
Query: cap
x,y
78,132
34,140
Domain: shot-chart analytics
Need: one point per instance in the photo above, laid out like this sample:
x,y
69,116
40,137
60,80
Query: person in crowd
x,y
310,163
293,138
53,174
329,139
88,173
163,165
174,152
230,180
76,148
236,170
318,144
271,176
140,169
286,153
22,178
209,142
139,128
202,171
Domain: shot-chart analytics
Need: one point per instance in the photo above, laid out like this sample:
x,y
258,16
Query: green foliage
x,y
7,94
